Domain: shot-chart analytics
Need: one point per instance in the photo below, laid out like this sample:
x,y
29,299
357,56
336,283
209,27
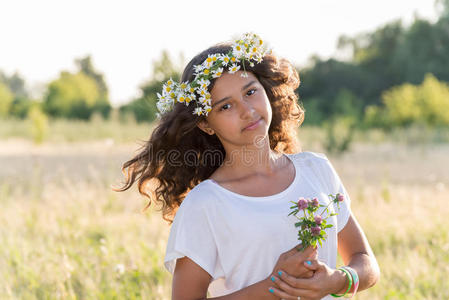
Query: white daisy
x,y
198,69
170,82
207,109
202,91
217,73
181,97
198,111
234,68
204,83
188,98
238,50
225,59
184,85
206,99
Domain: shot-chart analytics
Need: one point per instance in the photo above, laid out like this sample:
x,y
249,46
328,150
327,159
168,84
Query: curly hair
x,y
160,168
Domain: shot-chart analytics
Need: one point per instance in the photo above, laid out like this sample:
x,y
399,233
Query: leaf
x,y
321,244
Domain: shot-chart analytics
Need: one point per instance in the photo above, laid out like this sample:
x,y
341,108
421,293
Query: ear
x,y
204,126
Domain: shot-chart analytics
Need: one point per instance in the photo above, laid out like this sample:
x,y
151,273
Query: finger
x,y
308,274
312,265
299,283
295,249
281,294
307,252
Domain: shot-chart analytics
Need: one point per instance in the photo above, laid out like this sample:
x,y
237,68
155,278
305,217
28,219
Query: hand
x,y
324,282
293,260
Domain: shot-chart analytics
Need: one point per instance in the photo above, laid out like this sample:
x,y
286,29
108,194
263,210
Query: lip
x,y
252,125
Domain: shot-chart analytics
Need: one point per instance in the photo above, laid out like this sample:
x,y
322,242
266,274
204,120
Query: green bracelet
x,y
350,283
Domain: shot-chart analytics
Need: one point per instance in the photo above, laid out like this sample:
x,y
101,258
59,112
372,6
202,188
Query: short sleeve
x,y
332,182
191,236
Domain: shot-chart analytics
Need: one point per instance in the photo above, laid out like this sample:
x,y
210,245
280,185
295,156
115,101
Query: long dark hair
x,y
160,167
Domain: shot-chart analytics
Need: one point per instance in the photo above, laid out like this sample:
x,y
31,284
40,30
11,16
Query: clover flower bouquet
x,y
312,225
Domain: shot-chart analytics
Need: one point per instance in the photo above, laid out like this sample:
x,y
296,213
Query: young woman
x,y
225,174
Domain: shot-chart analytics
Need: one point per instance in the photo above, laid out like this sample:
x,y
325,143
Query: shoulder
x,y
309,156
199,197
315,162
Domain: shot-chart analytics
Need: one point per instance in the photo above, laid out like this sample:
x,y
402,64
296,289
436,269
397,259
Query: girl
x,y
224,162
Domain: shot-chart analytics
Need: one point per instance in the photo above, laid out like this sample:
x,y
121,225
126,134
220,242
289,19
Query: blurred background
x,y
78,83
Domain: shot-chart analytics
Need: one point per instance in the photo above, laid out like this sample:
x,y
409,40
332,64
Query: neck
x,y
250,160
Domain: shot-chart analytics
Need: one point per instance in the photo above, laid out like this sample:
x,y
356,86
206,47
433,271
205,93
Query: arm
x,y
356,252
190,282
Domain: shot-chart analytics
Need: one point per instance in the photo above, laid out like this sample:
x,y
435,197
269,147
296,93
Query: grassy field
x,y
66,235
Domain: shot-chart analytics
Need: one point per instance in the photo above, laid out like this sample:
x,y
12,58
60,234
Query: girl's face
x,y
236,103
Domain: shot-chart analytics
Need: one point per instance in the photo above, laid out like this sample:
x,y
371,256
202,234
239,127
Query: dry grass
x,y
66,235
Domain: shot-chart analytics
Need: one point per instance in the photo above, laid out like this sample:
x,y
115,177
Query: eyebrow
x,y
226,98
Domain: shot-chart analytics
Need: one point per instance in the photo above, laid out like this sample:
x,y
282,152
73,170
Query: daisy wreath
x,y
250,47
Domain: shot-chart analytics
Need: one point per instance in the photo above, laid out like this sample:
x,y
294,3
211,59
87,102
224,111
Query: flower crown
x,y
249,47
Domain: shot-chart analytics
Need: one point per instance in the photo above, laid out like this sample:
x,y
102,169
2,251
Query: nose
x,y
247,110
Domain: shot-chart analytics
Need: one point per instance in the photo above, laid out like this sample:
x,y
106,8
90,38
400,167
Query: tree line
x,y
394,76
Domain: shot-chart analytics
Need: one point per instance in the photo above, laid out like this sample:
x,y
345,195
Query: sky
x,y
39,39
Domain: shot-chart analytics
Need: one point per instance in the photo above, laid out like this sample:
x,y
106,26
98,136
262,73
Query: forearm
x,y
258,290
367,270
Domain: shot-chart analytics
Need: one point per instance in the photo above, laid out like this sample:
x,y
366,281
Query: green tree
x,y
144,108
102,104
21,101
427,103
72,96
6,98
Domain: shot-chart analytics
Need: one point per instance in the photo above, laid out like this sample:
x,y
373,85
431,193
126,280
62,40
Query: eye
x,y
252,90
223,106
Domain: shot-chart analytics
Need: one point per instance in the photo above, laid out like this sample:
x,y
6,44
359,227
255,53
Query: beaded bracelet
x,y
355,279
350,282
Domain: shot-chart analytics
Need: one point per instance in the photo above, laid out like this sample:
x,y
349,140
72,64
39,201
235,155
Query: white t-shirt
x,y
238,239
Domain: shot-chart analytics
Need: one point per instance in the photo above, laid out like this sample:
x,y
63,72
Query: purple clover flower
x,y
302,203
340,197
315,202
316,230
318,220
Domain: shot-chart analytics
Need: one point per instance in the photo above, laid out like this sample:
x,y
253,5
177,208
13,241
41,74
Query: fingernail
x,y
280,273
309,262
272,278
271,290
